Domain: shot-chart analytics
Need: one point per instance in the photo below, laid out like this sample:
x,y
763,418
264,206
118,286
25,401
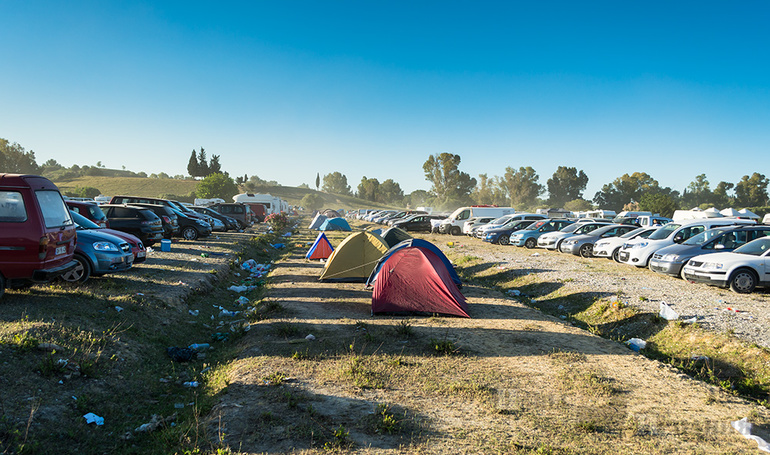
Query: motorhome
x,y
272,204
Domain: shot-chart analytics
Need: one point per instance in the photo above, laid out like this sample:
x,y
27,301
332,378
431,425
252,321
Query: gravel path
x,y
744,315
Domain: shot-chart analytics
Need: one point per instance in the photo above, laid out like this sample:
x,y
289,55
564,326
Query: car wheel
x,y
558,245
616,255
530,243
743,281
189,233
455,230
681,273
587,250
80,273
504,240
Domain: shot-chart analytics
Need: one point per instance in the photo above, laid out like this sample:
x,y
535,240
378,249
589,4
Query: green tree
x,y
522,186
450,186
336,183
624,189
566,184
203,165
578,205
83,191
698,192
484,192
720,198
418,198
14,159
217,185
214,166
368,189
658,202
312,201
751,191
192,165
317,180
390,192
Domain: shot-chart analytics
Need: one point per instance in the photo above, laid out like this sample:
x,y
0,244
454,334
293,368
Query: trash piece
x,y
149,426
636,344
691,320
178,405
93,418
49,347
191,384
193,312
140,294
310,337
743,427
278,246
514,293
118,309
242,300
668,313
699,358
536,254
229,313
178,354
204,255
734,310
199,346
450,244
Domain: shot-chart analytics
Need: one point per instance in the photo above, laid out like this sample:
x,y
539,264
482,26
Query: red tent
x,y
415,280
321,248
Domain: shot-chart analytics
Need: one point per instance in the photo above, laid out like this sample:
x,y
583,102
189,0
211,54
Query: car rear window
x,y
12,207
148,215
55,211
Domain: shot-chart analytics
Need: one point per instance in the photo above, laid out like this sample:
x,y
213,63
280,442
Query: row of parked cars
x,y
408,220
44,237
723,251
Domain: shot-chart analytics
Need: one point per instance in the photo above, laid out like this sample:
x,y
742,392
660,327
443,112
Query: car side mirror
x,y
678,238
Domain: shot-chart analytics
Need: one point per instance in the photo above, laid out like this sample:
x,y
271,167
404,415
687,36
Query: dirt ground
x,y
519,382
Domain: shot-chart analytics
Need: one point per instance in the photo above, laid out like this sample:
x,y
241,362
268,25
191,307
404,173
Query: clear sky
x,y
288,89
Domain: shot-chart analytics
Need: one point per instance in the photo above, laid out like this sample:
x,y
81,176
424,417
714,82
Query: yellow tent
x,y
355,258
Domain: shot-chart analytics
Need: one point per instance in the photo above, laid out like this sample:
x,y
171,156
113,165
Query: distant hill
x,y
184,189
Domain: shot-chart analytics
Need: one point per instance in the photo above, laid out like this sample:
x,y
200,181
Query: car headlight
x,y
670,257
601,244
712,265
570,242
640,245
105,246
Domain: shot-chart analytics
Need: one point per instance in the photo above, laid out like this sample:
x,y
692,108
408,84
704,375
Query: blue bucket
x,y
165,245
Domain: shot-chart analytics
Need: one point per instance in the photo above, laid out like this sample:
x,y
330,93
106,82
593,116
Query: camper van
x,y
454,223
272,203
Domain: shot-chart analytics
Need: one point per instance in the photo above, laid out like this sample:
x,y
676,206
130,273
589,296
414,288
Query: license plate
x,y
141,254
61,250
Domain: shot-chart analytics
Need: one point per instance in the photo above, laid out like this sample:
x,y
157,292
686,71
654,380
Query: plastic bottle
x,y
199,346
191,384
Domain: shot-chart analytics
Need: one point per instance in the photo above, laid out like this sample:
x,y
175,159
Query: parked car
x,y
502,234
475,222
136,220
37,234
554,240
237,210
639,252
741,270
90,210
670,260
154,200
137,247
230,223
583,244
400,216
480,231
192,228
610,248
167,217
97,254
528,236
417,223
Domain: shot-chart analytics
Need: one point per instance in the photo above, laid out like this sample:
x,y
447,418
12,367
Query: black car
x,y
417,223
192,228
136,220
166,215
229,222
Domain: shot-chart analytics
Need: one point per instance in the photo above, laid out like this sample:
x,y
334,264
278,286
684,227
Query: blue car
x,y
528,236
502,234
97,254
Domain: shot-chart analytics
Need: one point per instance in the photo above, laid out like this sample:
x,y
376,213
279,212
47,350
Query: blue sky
x,y
286,89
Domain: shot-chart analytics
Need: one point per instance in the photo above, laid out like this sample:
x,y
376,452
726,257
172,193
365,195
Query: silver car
x,y
609,248
583,244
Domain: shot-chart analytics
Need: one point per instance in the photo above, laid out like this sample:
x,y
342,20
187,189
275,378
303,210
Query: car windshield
x,y
570,228
631,234
55,211
500,220
664,232
756,247
535,226
83,222
703,237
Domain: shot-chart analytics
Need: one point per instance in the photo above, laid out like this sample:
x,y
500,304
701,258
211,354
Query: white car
x,y
475,222
609,248
638,252
553,240
742,270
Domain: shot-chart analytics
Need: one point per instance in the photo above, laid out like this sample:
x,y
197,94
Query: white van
x,y
638,252
454,223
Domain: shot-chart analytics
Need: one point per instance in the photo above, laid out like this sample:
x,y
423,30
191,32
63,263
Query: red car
x,y
37,234
140,252
89,210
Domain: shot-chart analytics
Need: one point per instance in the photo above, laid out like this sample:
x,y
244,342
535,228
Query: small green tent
x,y
355,258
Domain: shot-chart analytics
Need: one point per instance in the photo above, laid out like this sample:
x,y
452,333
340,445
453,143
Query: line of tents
x,y
407,275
